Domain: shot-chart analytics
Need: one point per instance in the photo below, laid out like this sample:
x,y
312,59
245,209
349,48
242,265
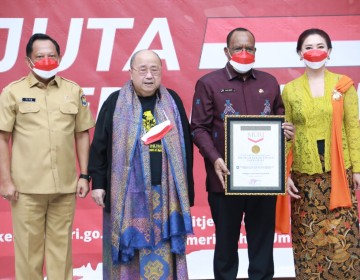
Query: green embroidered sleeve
x,y
312,118
351,133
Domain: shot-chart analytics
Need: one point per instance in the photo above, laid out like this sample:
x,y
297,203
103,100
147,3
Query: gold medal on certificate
x,y
255,149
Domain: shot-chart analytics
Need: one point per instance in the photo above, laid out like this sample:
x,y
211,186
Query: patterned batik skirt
x,y
157,263
326,243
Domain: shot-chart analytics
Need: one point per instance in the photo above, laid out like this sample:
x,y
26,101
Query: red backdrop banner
x,y
97,39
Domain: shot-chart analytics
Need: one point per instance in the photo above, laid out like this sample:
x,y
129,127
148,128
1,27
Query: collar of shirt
x,y
34,82
232,74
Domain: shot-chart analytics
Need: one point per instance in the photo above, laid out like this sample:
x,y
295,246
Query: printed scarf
x,y
131,194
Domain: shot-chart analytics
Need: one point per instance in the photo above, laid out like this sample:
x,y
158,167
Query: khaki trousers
x,y
42,225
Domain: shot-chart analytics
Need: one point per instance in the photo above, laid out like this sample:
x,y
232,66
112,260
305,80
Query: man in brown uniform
x,y
45,116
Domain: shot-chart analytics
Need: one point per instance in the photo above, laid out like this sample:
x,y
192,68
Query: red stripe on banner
x,y
283,29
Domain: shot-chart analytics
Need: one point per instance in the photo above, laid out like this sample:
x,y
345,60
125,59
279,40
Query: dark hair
x,y
313,31
40,36
240,29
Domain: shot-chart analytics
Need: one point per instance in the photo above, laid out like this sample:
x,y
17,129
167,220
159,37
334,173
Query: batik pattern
x,y
326,243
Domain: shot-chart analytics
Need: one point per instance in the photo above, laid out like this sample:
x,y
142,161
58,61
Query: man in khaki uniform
x,y
45,116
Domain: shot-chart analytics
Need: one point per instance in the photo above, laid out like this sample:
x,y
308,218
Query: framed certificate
x,y
255,155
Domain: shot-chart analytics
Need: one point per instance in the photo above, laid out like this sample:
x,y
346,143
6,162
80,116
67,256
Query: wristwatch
x,y
85,176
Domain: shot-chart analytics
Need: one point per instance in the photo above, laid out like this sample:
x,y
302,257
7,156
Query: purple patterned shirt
x,y
221,93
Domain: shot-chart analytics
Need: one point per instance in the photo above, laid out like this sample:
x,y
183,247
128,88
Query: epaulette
x,y
17,81
70,81
14,82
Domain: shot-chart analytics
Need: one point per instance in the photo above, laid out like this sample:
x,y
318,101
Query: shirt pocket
x,y
69,108
28,117
67,117
26,108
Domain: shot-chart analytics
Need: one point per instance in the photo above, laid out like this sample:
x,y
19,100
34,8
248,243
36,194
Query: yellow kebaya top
x,y
312,118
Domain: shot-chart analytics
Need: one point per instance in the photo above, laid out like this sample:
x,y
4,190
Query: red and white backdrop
x,y
97,39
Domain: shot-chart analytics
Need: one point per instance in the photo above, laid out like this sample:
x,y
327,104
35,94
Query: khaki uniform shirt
x,y
43,121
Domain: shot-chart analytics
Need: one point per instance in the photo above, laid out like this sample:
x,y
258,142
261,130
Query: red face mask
x,y
315,59
46,64
242,61
45,68
243,57
315,55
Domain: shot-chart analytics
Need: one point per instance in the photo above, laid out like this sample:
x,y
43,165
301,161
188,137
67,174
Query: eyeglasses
x,y
155,71
247,49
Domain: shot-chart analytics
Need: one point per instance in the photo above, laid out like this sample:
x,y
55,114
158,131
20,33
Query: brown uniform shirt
x,y
43,121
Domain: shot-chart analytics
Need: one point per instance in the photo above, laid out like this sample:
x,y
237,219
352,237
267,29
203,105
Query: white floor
x,y
200,264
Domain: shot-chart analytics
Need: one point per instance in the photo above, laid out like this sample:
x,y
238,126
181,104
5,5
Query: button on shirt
x,y
221,93
43,121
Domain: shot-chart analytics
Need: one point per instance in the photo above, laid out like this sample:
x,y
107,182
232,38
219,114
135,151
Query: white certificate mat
x,y
255,155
